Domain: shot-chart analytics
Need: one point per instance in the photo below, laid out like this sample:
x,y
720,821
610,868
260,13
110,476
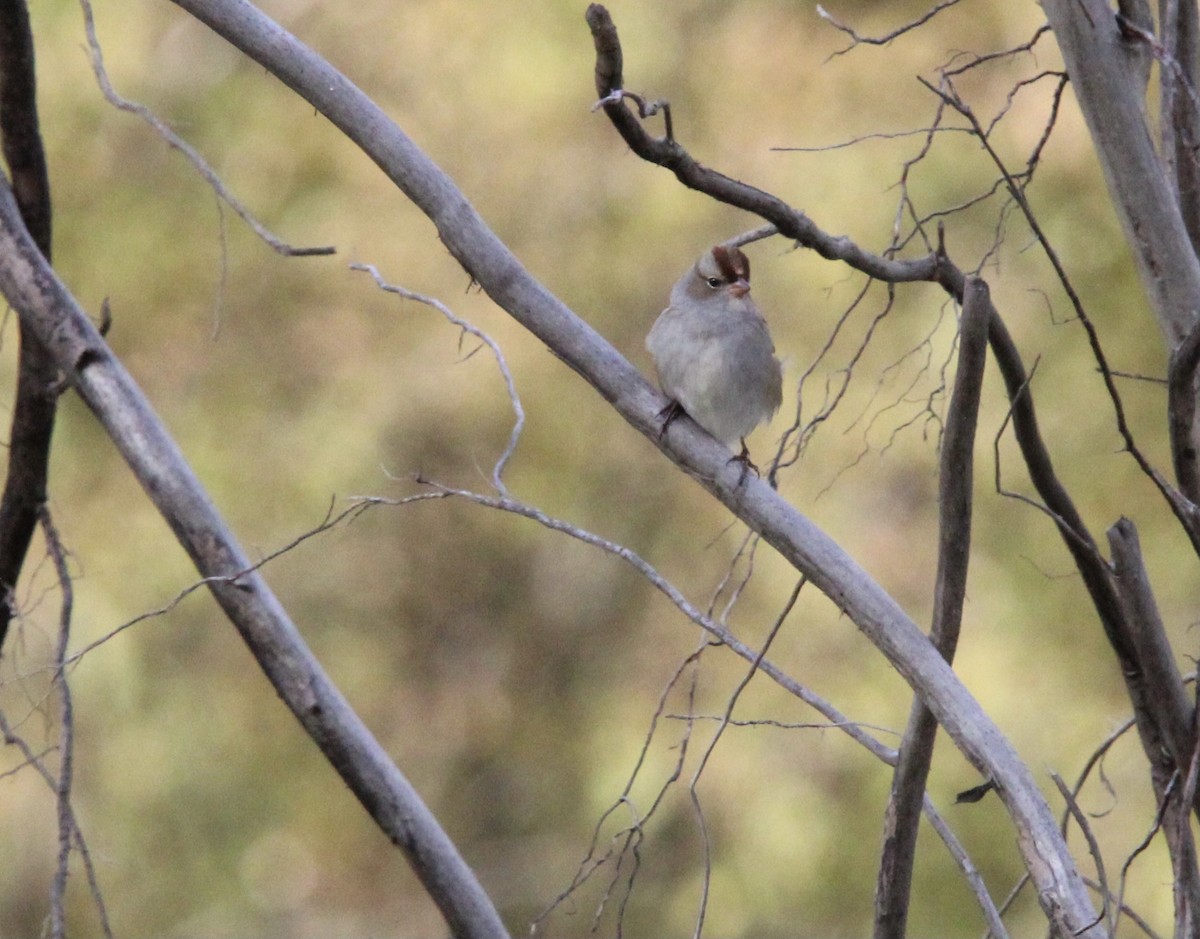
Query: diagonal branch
x,y
810,550
48,311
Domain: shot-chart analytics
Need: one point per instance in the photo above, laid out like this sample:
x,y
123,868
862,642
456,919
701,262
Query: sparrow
x,y
713,353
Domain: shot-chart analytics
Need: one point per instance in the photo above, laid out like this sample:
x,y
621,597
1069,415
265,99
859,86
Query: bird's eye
x,y
713,282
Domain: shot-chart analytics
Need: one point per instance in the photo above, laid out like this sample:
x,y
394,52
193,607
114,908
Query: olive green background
x,y
514,673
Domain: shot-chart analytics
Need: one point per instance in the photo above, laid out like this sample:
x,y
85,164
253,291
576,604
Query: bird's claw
x,y
747,464
668,415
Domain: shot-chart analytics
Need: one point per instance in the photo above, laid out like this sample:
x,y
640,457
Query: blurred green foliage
x,y
512,672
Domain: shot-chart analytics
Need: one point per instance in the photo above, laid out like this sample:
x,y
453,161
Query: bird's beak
x,y
740,287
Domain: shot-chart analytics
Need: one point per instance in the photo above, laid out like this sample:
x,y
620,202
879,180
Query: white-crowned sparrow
x,y
714,356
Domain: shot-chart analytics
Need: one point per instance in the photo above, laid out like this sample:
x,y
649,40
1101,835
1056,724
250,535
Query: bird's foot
x,y
747,463
668,415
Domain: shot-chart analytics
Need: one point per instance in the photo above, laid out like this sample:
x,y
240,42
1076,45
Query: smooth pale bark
x,y
48,311
1060,889
1111,99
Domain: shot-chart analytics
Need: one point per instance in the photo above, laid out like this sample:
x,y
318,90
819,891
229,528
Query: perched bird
x,y
714,356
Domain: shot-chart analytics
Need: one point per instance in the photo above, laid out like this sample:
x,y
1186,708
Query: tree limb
x,y
1167,704
49,312
1181,410
810,550
936,267
955,479
665,152
33,412
1180,118
1092,47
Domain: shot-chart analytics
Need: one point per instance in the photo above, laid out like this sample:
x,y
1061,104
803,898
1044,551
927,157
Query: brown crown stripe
x,y
732,263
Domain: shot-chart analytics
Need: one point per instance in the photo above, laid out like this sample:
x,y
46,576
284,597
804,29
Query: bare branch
x,y
975,61
974,879
35,760
755,234
1182,843
514,436
810,550
189,152
1185,512
956,478
1093,846
718,631
887,37
1165,801
1135,15
628,839
329,522
693,793
1127,912
43,303
34,411
1180,116
1093,48
1174,716
667,152
1181,408
1058,502
66,745
1169,705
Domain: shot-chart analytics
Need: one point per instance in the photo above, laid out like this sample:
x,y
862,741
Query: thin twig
x,y
1164,805
189,152
977,60
629,838
330,521
693,792
883,40
514,400
970,872
1127,912
35,760
718,631
66,745
1184,510
1093,849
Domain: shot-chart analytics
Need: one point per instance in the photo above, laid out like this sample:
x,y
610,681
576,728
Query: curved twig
x,y
121,103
